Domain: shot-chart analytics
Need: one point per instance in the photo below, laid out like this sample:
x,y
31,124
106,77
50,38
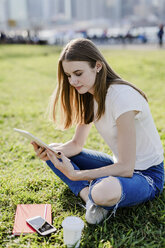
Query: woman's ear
x,y
98,66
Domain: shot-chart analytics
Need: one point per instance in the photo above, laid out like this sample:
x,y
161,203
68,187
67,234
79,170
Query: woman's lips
x,y
78,87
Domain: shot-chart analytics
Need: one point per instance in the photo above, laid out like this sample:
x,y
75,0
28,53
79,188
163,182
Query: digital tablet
x,y
31,137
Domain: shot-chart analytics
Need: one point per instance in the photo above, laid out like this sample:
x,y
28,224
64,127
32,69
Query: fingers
x,y
51,155
56,160
64,158
63,164
43,155
40,151
46,154
35,146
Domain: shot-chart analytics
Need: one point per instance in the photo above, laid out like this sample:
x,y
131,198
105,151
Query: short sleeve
x,y
128,99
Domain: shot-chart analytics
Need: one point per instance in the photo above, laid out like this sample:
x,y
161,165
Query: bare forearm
x,y
74,146
69,148
116,169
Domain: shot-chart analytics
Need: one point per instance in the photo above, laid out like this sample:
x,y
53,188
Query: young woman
x,y
91,92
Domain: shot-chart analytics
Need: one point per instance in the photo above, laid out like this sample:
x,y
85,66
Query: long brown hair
x,y
78,108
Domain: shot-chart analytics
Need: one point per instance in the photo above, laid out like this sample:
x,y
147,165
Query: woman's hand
x,y
40,151
64,165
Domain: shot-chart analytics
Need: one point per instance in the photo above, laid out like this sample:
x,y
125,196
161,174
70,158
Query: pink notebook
x,y
26,211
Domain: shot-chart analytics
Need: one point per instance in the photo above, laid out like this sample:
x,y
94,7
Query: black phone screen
x,y
45,227
40,224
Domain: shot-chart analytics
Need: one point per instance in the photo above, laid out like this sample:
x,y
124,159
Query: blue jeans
x,y
142,186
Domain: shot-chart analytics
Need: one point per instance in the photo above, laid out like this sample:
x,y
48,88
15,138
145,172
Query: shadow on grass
x,y
71,202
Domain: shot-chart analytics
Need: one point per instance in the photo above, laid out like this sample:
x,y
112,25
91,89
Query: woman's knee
x,y
107,192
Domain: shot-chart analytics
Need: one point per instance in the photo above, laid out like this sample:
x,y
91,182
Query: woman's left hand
x,y
64,165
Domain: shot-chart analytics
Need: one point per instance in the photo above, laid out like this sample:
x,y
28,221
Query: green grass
x,y
27,79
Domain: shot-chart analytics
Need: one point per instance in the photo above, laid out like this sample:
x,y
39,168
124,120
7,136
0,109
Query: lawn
x,y
27,79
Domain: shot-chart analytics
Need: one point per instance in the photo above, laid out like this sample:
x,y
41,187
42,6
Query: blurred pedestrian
x,y
2,37
160,35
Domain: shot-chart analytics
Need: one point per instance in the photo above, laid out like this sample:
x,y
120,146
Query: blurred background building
x,y
47,13
78,15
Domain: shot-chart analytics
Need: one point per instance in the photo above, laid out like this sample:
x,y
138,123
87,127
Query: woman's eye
x,y
79,74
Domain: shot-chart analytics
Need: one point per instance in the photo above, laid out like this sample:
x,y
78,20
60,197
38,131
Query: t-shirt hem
x,y
147,165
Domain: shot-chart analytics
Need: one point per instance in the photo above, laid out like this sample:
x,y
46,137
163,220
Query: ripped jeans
x,y
143,186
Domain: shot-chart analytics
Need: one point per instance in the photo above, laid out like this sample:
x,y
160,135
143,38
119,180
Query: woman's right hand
x,y
40,151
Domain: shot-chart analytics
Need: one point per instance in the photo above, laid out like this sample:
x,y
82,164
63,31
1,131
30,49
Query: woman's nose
x,y
73,81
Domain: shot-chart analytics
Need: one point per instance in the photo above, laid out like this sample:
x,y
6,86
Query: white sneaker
x,y
94,214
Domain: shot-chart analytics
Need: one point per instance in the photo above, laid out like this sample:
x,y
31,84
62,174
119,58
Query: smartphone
x,y
31,137
41,225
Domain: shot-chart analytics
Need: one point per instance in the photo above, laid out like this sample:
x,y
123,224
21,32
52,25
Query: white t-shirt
x,y
121,99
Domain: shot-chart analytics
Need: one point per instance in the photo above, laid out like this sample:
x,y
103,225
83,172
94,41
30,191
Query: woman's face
x,y
80,75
